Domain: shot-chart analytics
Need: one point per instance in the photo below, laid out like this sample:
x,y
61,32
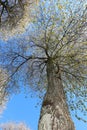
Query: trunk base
x,y
55,120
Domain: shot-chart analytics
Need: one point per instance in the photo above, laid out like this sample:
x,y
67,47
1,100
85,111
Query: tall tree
x,y
53,59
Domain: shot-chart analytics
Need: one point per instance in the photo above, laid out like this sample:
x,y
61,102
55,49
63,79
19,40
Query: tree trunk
x,y
54,112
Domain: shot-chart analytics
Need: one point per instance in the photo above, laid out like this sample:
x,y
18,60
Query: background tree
x,y
13,126
15,15
53,59
3,93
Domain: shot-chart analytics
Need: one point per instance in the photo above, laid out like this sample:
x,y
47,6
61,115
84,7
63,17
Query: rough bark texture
x,y
54,112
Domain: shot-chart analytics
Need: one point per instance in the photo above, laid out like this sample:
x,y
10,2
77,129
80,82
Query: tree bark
x,y
54,113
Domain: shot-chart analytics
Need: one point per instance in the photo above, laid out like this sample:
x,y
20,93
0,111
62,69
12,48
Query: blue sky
x,y
23,109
